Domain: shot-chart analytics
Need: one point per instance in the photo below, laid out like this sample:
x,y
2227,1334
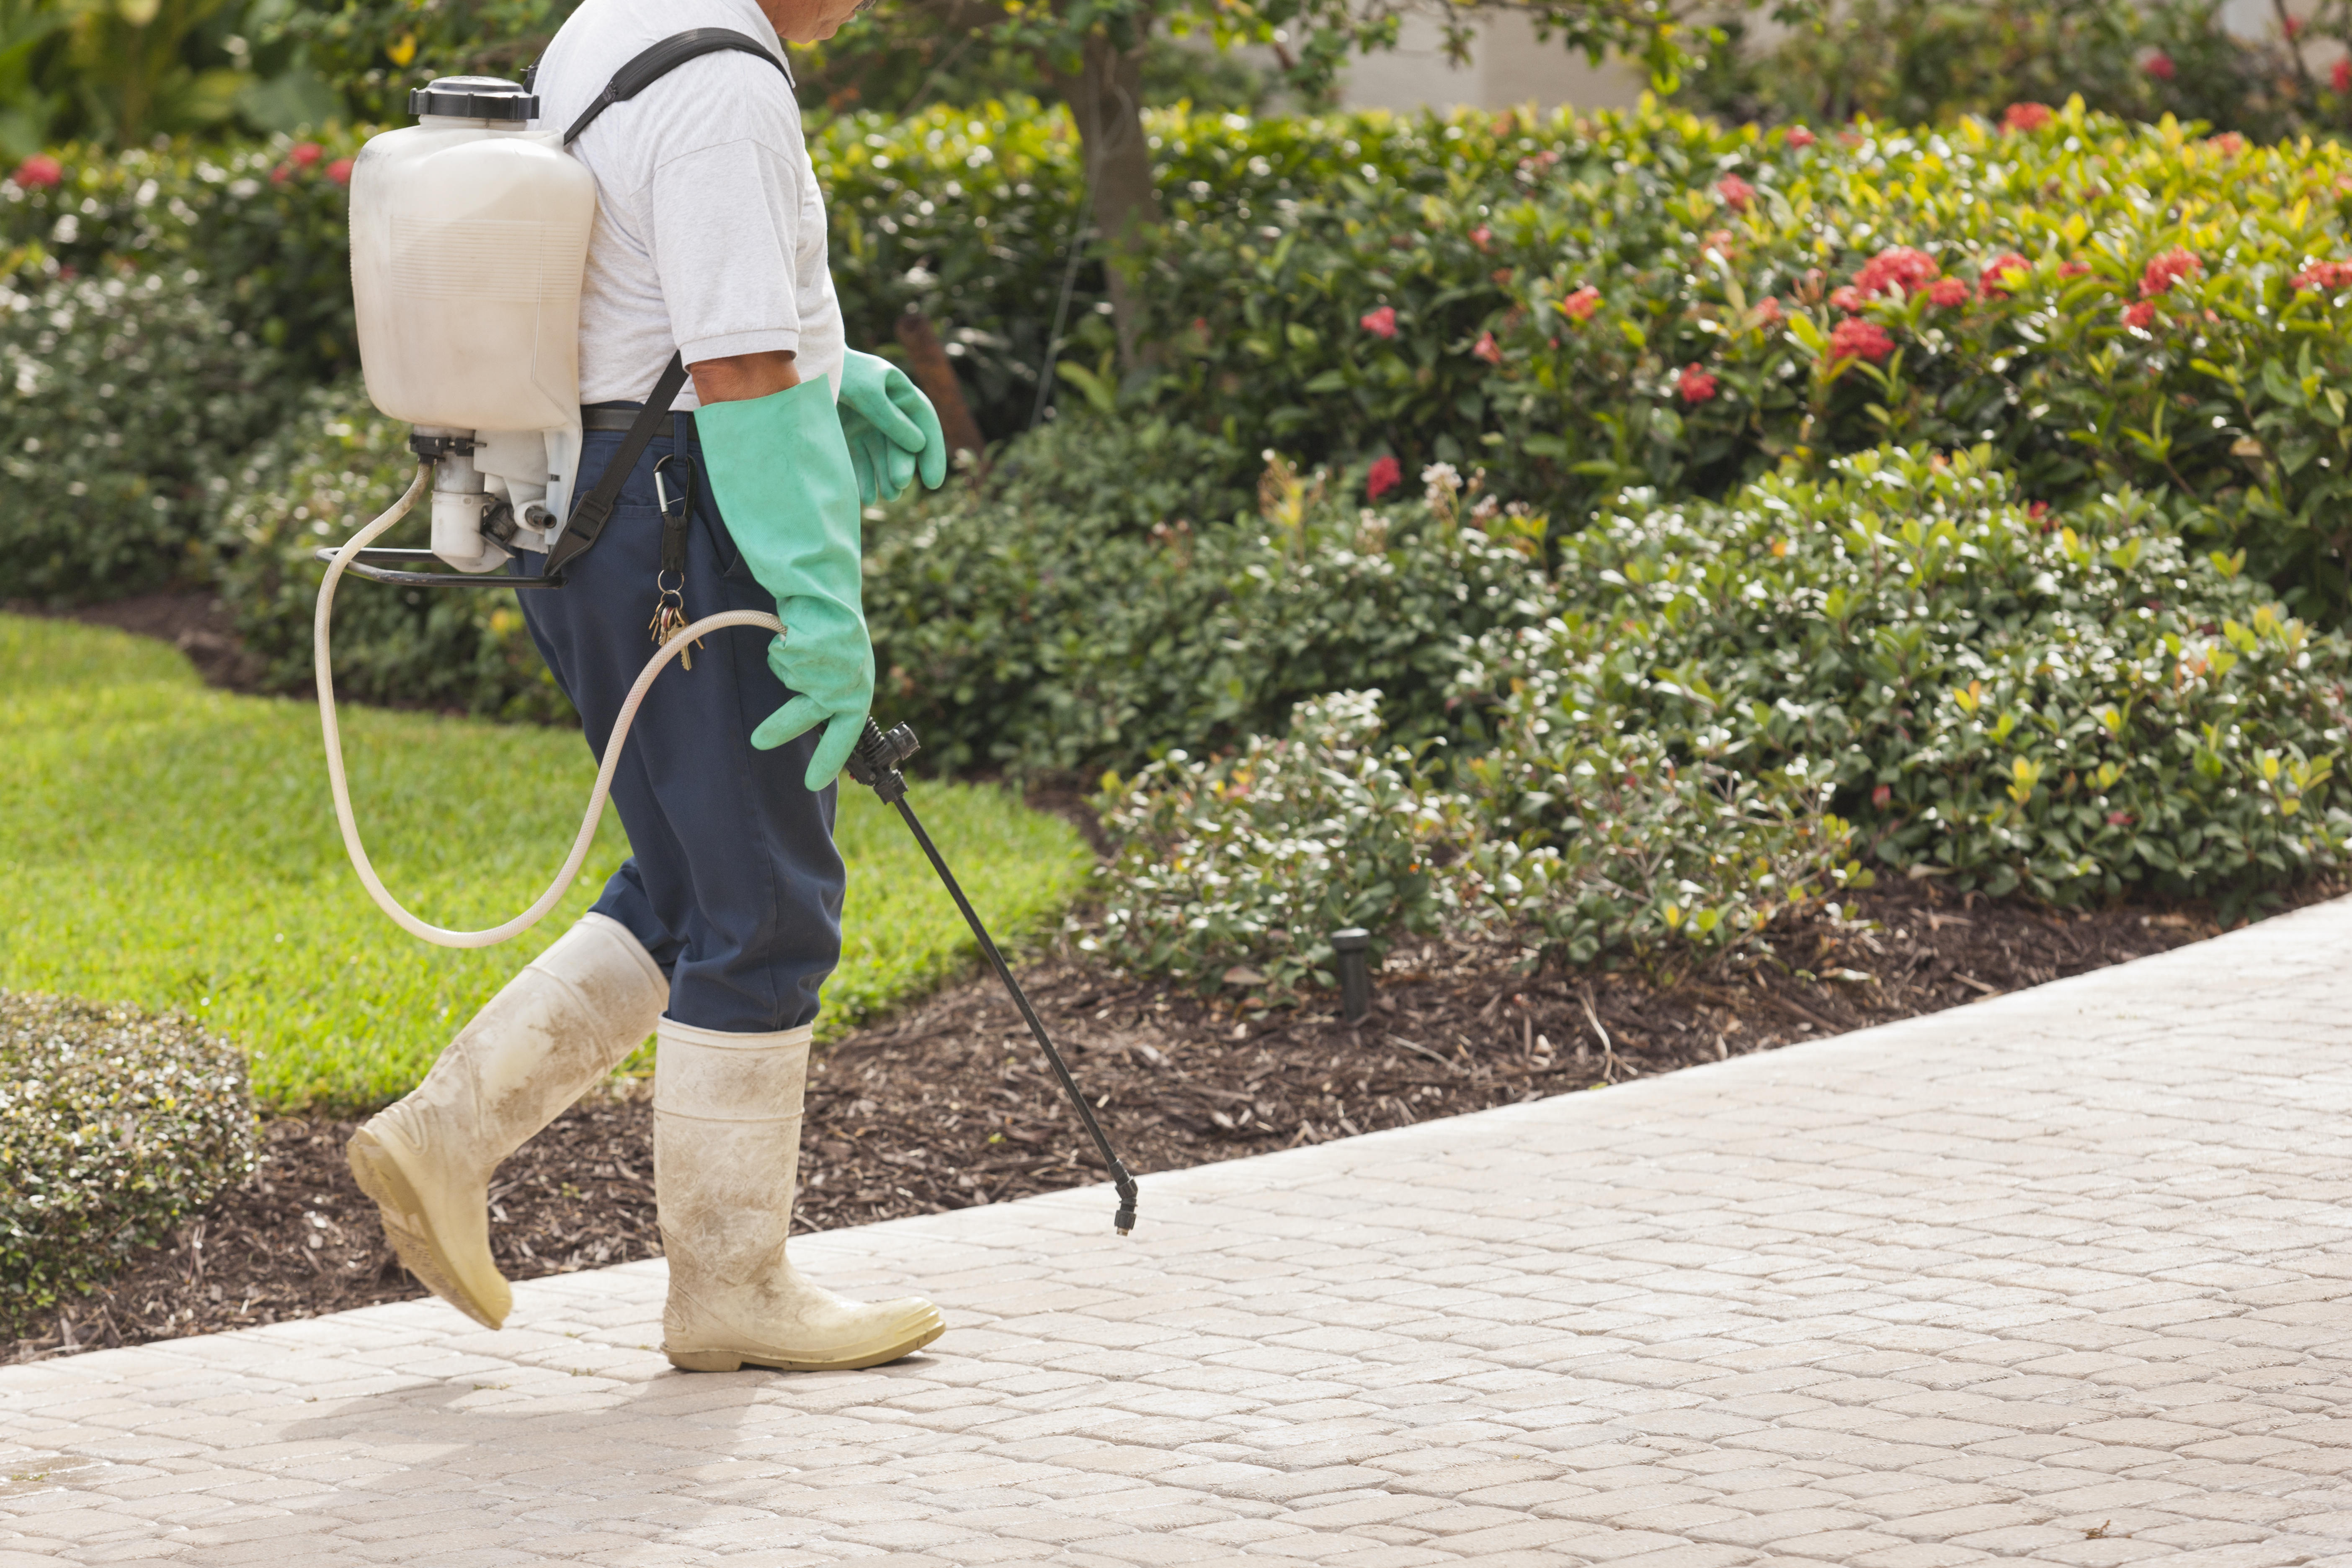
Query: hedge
x,y
1675,305
1717,715
115,1125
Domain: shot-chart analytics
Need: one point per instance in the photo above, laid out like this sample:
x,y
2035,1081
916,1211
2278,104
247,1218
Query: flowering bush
x,y
2105,305
262,225
1529,294
114,1127
119,398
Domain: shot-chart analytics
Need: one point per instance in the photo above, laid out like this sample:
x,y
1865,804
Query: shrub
x,y
264,227
115,1125
335,465
118,396
968,213
1075,613
2073,703
1679,307
1255,858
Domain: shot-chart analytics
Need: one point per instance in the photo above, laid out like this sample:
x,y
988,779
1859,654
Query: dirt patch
x,y
952,1105
196,621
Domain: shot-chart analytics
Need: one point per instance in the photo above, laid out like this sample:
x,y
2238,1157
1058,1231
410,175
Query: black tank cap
x,y
475,98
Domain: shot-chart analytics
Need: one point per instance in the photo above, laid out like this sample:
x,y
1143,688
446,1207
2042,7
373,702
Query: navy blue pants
x,y
734,886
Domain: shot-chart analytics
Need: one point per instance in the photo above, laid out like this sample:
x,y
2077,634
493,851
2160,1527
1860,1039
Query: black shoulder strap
x,y
591,511
665,57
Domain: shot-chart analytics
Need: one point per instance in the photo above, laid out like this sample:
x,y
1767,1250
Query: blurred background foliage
x,y
122,72
1926,62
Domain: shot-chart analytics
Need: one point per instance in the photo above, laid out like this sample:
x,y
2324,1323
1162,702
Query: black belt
x,y
621,416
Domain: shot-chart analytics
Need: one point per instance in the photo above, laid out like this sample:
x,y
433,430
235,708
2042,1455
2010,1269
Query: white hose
x,y
530,917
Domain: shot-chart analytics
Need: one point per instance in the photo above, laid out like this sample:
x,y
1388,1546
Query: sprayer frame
x,y
361,565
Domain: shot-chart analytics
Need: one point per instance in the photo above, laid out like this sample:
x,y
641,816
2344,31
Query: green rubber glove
x,y
891,428
781,471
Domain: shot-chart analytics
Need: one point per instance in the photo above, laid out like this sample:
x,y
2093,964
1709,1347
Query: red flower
x,y
1480,235
2038,511
2229,143
1881,795
2001,274
2165,271
1854,338
1897,270
2140,315
306,154
1380,324
1768,311
1385,474
2026,116
1486,349
2328,275
2340,79
1799,136
339,171
2073,268
1580,306
2159,66
1847,299
1695,385
40,168
280,175
1736,192
1948,292
2119,819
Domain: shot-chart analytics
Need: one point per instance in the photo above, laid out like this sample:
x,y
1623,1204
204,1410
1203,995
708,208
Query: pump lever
x,y
875,763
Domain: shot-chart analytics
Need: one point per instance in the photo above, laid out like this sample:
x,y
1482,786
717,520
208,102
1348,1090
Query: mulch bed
x,y
951,1104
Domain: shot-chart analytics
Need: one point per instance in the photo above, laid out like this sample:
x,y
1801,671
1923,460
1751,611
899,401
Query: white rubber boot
x,y
568,1019
726,1145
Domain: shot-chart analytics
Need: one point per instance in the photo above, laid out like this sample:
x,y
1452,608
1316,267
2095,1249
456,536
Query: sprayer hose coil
x,y
442,936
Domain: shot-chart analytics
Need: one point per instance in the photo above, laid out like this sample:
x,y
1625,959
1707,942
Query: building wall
x,y
1509,67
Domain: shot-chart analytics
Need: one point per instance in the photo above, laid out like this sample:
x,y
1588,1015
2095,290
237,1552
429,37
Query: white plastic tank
x,y
470,238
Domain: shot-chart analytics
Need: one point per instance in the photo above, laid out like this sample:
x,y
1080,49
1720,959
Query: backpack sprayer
x,y
469,242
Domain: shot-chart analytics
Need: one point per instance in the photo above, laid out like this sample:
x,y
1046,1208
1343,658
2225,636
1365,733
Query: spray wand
x,y
874,762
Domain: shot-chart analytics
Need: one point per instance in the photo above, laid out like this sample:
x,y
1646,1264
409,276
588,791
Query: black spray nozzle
x,y
875,763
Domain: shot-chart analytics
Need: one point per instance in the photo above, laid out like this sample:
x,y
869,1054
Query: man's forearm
x,y
740,377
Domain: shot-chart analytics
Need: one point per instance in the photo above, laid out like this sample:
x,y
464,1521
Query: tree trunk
x,y
1105,99
928,363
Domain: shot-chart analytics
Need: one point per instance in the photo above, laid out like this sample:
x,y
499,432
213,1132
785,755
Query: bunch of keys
x,y
670,601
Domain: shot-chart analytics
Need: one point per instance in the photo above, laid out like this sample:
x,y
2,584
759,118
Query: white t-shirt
x,y
710,237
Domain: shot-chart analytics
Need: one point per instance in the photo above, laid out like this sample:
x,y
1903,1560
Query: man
x,y
710,242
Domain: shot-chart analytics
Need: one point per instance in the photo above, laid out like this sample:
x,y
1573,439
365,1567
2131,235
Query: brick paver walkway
x,y
2061,1276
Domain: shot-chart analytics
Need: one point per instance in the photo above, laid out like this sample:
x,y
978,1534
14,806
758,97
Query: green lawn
x,y
172,845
